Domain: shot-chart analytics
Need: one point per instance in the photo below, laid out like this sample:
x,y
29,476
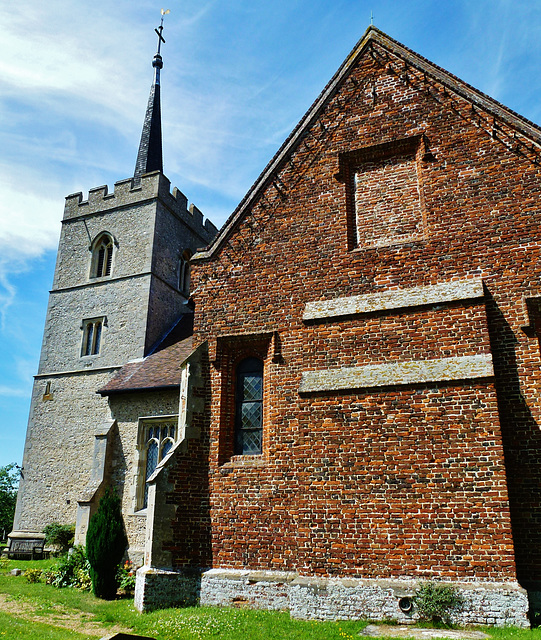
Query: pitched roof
x,y
161,368
478,99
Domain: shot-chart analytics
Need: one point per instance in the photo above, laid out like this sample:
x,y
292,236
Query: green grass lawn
x,y
42,611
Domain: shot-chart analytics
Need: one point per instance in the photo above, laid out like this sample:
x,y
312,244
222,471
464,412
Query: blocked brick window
x,y
249,407
156,439
384,194
102,256
92,336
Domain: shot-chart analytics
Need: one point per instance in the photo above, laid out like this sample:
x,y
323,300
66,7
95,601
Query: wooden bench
x,y
25,547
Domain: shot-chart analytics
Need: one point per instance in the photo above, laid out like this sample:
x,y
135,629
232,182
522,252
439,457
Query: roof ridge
x,y
372,35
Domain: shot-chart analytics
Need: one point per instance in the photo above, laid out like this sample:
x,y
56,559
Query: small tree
x,y
60,535
106,543
9,477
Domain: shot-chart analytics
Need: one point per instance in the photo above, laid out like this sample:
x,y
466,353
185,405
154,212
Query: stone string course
x,y
395,299
398,373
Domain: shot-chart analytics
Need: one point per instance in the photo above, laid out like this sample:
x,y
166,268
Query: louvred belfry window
x,y
249,407
102,257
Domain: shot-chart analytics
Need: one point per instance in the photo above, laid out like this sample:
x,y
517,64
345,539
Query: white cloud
x,y
15,392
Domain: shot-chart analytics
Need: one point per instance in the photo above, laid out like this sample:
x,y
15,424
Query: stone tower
x,y
121,282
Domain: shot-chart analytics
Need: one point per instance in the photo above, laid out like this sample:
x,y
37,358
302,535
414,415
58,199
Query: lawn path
x,y
58,616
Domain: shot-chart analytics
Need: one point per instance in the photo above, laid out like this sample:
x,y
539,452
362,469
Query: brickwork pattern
x,y
399,481
387,201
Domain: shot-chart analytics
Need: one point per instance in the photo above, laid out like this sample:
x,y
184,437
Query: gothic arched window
x,y
184,273
102,256
157,438
249,407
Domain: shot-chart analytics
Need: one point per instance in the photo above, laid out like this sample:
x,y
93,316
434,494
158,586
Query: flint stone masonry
x,y
329,599
152,185
398,373
160,588
58,456
259,589
498,604
394,299
139,302
128,409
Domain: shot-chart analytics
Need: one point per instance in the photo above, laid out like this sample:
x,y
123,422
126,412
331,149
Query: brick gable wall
x,y
400,479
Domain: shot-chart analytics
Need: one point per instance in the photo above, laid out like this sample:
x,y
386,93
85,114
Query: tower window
x,y
249,407
157,438
184,273
102,257
92,335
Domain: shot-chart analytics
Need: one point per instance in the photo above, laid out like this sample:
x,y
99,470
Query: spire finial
x,y
157,63
149,157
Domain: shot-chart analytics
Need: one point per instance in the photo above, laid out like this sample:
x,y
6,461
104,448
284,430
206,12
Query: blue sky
x,y
238,75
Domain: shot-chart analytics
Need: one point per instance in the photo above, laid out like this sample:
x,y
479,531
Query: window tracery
x,y
102,257
157,440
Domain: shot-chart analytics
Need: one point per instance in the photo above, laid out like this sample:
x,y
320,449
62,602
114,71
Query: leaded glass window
x,y
158,438
249,407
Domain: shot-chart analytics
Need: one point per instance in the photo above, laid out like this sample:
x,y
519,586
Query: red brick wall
x,y
392,481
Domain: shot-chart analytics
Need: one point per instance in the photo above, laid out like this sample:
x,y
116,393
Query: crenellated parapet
x,y
152,186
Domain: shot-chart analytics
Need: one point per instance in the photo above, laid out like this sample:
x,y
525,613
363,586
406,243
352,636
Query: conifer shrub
x,y
106,543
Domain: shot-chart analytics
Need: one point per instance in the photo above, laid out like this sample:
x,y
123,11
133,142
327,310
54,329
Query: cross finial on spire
x,y
149,157
160,29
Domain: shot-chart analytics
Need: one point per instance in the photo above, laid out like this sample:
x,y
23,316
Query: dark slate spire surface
x,y
149,157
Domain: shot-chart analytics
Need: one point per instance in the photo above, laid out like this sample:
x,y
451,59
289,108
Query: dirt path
x,y
58,616
378,631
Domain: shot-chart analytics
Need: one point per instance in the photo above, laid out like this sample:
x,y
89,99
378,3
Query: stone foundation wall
x,y
486,603
159,588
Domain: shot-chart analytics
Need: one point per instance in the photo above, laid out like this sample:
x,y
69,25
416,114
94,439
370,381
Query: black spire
x,y
149,157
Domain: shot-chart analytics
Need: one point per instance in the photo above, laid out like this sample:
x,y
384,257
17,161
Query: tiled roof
x,y
161,368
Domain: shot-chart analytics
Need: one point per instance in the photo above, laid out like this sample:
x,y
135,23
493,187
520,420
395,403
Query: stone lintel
x,y
394,299
398,373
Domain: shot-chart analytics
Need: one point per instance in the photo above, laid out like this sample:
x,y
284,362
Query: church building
x,y
335,397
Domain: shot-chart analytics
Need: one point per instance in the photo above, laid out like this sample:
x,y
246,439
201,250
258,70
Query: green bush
x,y
437,602
71,571
33,575
59,535
106,544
